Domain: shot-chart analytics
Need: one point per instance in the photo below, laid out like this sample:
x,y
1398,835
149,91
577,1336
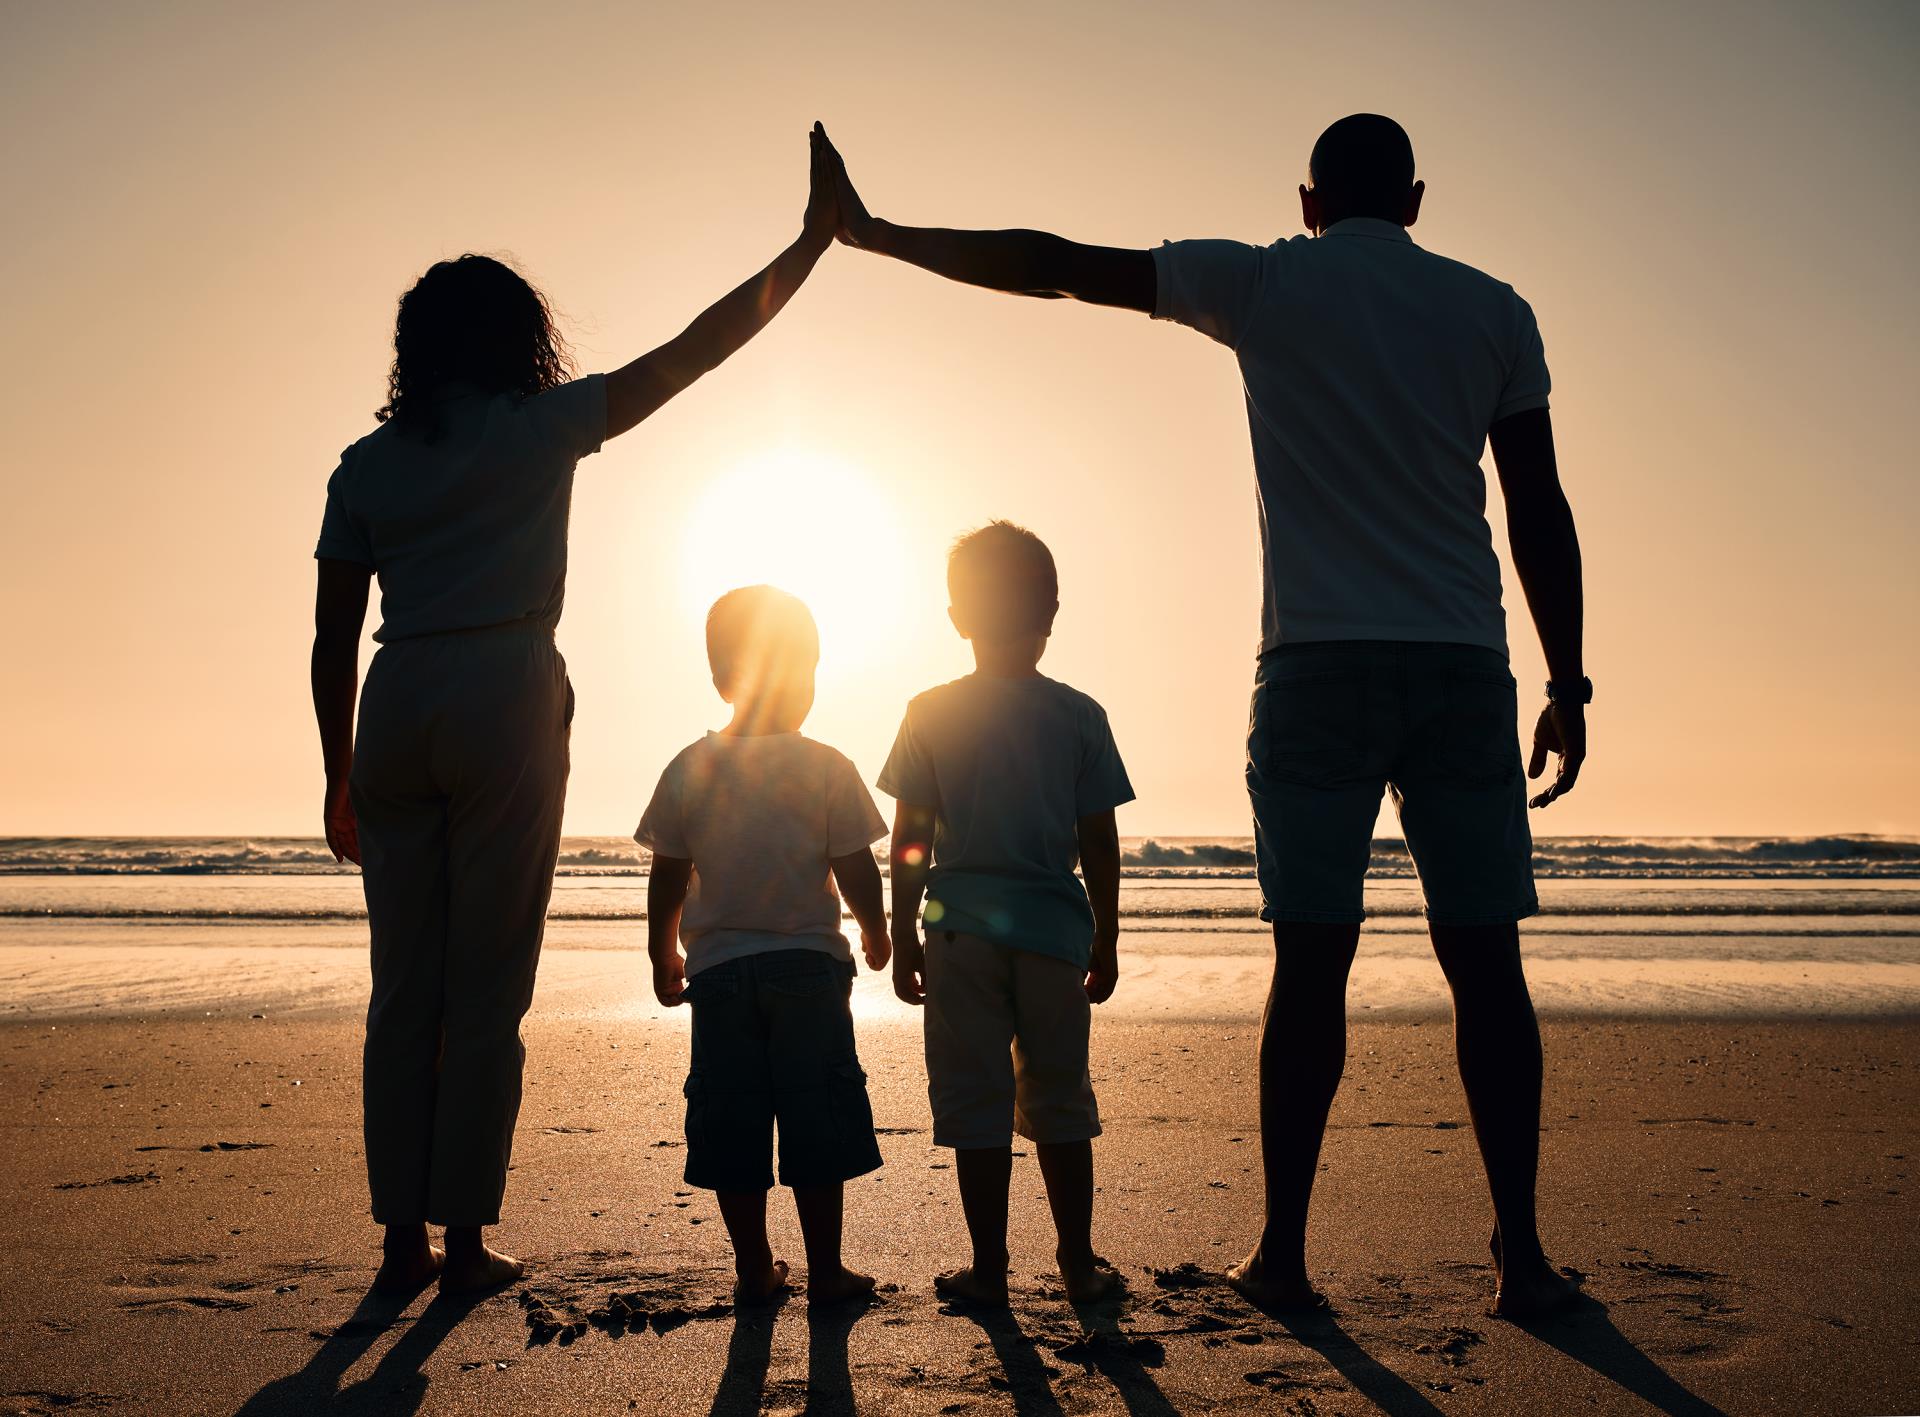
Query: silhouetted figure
x,y
750,830
1003,779
1375,374
450,796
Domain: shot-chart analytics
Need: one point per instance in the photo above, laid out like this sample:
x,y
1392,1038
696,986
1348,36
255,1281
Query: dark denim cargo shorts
x,y
1334,725
773,1044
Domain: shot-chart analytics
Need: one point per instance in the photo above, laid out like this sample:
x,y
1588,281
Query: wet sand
x,y
185,1220
52,970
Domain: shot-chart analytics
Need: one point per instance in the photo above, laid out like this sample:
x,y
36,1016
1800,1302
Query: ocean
x,y
1850,882
1631,925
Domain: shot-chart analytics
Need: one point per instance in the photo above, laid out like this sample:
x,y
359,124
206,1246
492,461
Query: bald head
x,y
1362,166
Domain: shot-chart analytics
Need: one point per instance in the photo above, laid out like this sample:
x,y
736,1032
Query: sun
x,y
810,524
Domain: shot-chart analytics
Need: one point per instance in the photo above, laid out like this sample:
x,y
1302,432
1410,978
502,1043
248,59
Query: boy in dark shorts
x,y
750,829
1004,779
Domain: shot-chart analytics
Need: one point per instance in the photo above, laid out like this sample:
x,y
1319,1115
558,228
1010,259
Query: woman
x,y
450,799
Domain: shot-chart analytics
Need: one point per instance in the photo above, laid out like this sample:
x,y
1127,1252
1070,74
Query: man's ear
x,y
726,694
1412,213
1309,209
959,625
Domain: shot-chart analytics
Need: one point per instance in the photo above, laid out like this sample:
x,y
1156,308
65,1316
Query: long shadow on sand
x,y
829,1386
743,1382
1372,1379
1018,1353
1586,1334
1103,1347
396,1385
829,1378
1115,1355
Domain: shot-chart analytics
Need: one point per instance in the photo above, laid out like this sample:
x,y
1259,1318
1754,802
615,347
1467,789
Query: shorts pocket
x,y
1479,740
826,1128
1311,728
852,1113
699,1103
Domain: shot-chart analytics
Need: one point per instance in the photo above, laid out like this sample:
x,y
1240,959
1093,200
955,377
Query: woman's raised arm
x,y
639,388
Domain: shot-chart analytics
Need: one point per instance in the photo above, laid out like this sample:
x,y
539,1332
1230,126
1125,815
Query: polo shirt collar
x,y
1372,226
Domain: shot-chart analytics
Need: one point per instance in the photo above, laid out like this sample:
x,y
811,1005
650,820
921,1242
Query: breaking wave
x,y
1760,857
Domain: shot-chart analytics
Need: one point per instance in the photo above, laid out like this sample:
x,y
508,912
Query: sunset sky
x,y
212,209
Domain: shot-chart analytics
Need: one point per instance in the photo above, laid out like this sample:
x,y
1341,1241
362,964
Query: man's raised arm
x,y
1032,263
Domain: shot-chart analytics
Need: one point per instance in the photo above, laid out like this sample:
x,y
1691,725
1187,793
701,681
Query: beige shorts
x,y
1006,1045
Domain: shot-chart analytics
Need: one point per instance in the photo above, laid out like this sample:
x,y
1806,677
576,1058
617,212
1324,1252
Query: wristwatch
x,y
1570,691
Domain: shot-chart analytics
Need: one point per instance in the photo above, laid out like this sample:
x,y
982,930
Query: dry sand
x,y
184,1230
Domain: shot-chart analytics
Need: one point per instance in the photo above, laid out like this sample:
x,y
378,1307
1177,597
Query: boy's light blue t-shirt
x,y
1009,766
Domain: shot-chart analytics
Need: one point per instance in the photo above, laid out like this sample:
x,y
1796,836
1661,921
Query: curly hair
x,y
473,320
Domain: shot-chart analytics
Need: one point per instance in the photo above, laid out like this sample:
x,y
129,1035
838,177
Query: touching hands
x,y
1103,970
909,966
670,979
855,222
822,219
343,828
1562,729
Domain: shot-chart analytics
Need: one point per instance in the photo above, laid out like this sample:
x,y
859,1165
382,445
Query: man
x,y
1375,374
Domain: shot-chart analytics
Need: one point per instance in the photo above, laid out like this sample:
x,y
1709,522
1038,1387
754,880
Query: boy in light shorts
x,y
750,829
1004,779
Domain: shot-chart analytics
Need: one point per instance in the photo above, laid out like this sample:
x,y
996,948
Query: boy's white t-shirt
x,y
761,818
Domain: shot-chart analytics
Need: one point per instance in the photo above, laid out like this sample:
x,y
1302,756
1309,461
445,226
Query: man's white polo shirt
x,y
1373,371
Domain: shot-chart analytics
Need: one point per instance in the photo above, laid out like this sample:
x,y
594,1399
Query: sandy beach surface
x,y
185,1217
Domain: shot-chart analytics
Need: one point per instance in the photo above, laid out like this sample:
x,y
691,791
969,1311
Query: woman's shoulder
x,y
381,440
573,415
351,458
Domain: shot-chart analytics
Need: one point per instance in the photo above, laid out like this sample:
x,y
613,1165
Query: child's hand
x,y
909,968
876,948
1103,970
670,979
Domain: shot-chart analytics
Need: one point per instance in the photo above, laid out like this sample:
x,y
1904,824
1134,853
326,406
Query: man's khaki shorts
x,y
1006,1045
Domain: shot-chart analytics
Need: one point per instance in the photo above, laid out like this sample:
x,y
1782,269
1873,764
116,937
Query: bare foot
x,y
763,1287
1528,1291
410,1271
1089,1279
1532,1289
1275,1293
838,1288
477,1272
971,1286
